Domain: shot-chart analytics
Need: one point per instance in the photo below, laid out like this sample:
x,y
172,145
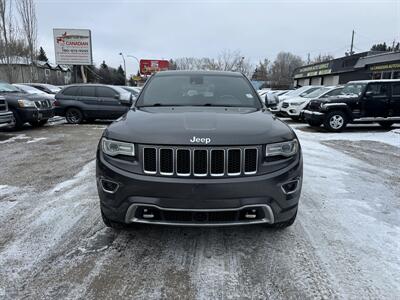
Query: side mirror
x,y
271,101
128,101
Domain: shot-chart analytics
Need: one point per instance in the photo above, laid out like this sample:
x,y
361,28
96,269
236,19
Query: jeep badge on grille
x,y
200,140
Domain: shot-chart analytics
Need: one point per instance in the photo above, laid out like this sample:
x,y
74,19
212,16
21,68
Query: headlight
x,y
297,103
26,103
114,148
289,148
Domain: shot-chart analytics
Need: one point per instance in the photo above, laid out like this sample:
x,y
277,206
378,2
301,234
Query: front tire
x,y
18,123
387,124
110,223
74,115
335,121
285,224
314,123
38,123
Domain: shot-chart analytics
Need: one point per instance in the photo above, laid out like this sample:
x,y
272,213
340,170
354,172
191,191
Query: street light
x,y
124,66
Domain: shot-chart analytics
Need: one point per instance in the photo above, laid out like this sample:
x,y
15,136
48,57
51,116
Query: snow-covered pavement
x,y
344,244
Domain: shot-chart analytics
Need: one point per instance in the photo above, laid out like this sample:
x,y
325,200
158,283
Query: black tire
x,y
335,121
294,118
386,124
74,115
38,123
18,123
282,225
112,224
314,123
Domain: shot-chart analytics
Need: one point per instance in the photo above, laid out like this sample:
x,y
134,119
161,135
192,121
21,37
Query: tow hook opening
x,y
290,187
109,186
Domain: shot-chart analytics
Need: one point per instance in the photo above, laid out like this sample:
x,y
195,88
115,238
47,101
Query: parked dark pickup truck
x,y
25,107
363,101
6,116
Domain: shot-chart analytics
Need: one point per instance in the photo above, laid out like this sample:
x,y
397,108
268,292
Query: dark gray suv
x,y
199,149
81,102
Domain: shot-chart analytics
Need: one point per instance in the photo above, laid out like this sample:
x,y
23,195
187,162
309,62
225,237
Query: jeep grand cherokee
x,y
199,149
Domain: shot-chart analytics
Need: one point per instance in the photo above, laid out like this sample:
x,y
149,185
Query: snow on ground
x,y
35,140
345,243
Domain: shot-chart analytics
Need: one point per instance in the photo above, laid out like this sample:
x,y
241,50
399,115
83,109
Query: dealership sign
x,y
149,66
73,46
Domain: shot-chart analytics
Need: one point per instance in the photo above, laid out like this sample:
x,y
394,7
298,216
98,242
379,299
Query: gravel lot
x,y
344,244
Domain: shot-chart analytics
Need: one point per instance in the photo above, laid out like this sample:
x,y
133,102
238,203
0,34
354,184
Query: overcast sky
x,y
171,29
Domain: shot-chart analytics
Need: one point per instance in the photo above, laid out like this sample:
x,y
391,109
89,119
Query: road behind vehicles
x,y
300,92
199,149
360,102
34,109
47,88
6,116
292,107
81,102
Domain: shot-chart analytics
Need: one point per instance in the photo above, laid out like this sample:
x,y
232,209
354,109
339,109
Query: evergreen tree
x,y
42,55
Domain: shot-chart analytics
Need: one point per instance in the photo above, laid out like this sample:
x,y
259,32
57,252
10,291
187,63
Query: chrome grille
x,y
200,162
43,104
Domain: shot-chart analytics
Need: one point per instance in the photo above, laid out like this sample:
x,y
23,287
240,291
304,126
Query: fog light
x,y
109,186
290,187
147,214
251,214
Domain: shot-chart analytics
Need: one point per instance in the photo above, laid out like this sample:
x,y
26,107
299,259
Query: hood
x,y
218,125
296,99
26,96
340,98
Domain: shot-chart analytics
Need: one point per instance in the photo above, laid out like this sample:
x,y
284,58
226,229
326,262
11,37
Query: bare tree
x,y
226,61
27,13
283,67
320,58
7,36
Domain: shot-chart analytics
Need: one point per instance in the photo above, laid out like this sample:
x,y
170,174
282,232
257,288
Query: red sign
x,y
149,66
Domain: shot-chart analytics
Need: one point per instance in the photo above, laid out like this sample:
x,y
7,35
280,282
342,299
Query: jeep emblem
x,y
200,140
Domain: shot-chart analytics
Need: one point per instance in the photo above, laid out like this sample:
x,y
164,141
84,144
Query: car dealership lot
x,y
345,242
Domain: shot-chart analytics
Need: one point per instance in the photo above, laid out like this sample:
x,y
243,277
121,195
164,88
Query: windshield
x,y
29,89
353,89
317,93
199,90
297,91
8,88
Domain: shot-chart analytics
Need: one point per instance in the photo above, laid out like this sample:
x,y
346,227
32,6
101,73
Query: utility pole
x,y
394,42
123,58
308,58
352,43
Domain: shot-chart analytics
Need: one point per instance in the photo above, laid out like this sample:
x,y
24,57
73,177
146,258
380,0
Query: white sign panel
x,y
73,46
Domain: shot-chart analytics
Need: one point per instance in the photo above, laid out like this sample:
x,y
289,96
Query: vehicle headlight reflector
x,y
26,103
287,149
114,148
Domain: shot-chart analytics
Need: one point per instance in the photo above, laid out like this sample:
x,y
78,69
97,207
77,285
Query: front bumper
x,y
6,118
32,115
291,111
208,196
313,115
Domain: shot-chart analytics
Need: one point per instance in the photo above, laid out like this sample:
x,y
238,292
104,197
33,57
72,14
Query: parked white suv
x,y
300,92
292,107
